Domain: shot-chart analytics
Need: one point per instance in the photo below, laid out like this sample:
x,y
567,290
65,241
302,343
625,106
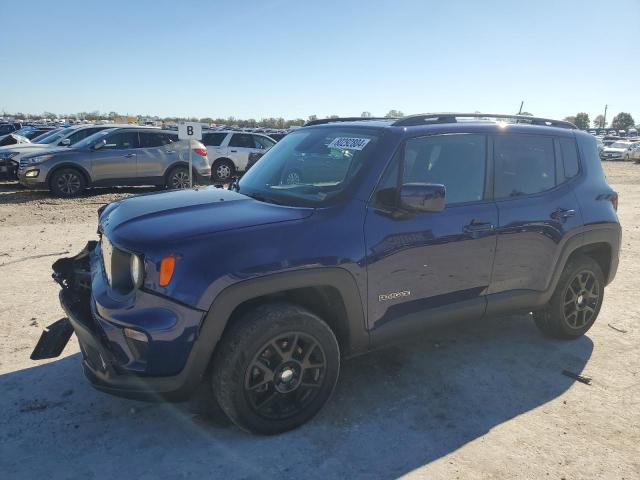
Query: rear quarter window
x,y
569,152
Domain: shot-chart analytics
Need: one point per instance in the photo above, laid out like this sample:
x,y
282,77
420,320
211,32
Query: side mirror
x,y
65,143
99,144
422,197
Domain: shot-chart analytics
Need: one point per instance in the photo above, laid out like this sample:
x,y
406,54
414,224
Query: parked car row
x,y
621,150
632,132
230,151
112,156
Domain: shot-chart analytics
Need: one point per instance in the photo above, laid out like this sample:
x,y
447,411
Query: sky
x,y
292,59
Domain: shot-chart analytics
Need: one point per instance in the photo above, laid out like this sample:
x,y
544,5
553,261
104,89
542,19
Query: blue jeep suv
x,y
347,235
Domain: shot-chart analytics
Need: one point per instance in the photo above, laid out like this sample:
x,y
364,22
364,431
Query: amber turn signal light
x,y
167,266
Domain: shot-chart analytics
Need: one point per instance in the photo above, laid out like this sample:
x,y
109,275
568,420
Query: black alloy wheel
x,y
581,299
285,376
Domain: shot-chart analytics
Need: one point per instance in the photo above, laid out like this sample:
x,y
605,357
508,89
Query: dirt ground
x,y
485,399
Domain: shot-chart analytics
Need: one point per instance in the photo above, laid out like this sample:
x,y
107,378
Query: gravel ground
x,y
484,399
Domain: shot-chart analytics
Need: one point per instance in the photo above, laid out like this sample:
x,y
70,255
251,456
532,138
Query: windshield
x,y
42,136
24,131
309,166
50,137
91,139
620,145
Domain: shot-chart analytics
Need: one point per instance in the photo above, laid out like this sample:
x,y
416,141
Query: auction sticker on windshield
x,y
349,143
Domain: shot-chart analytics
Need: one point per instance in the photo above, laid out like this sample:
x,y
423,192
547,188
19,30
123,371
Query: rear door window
x,y
242,140
213,139
150,140
524,165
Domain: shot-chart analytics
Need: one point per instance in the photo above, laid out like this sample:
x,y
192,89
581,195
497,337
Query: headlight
x,y
107,253
38,159
137,270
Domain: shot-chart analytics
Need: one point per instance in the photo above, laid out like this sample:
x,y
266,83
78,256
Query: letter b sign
x,y
187,130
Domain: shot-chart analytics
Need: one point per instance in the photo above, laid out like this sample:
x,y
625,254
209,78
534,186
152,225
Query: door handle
x,y
169,151
130,155
234,151
562,213
475,227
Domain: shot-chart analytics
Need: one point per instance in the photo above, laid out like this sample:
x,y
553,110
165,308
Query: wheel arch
x,y
170,168
75,166
600,242
331,293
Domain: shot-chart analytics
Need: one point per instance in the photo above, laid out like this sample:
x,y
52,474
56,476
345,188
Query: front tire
x,y
67,183
275,368
576,302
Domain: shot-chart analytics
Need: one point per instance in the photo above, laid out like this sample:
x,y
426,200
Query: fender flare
x,y
224,304
514,300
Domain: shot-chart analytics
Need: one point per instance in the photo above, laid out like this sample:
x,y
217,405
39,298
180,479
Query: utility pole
x,y
521,104
604,121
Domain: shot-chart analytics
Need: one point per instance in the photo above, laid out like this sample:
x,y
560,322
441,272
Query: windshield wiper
x,y
262,198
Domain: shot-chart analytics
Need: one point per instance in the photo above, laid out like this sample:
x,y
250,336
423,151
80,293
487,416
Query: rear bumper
x,y
165,367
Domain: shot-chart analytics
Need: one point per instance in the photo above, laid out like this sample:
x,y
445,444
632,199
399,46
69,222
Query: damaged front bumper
x,y
159,368
8,169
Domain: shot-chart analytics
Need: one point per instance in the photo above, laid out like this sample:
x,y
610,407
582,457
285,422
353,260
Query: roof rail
x,y
322,121
453,118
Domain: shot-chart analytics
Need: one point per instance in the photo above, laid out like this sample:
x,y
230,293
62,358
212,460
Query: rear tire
x,y
67,183
178,178
223,170
576,302
275,368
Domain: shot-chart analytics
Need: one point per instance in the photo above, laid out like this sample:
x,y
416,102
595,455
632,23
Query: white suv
x,y
229,151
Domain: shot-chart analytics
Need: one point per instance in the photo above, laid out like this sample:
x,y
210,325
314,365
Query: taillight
x,y
201,151
614,201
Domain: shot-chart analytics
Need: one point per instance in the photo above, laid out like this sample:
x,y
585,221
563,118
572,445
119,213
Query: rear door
x,y
116,160
216,144
537,208
419,262
157,152
240,146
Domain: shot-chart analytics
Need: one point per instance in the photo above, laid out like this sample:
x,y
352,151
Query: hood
x,y
32,150
12,139
22,146
165,217
614,150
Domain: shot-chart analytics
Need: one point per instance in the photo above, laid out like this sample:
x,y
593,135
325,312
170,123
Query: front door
x,y
115,162
425,261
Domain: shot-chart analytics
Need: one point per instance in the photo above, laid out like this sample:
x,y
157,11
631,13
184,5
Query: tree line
x,y
622,121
